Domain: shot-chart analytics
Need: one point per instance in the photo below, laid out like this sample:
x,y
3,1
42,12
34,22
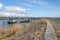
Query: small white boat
x,y
12,21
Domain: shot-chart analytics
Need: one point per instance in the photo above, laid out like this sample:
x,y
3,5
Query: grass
x,y
57,28
8,32
34,31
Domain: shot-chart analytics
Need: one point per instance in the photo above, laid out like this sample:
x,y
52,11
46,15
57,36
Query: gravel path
x,y
50,32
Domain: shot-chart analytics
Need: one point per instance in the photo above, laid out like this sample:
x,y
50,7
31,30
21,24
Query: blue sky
x,y
30,8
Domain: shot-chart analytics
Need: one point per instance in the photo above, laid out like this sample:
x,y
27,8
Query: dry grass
x,y
34,31
6,33
57,28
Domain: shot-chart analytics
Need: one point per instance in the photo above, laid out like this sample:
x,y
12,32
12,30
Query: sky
x,y
30,8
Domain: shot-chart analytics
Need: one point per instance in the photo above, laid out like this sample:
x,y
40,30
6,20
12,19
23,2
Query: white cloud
x,y
42,3
31,3
10,14
28,4
39,2
34,1
1,5
15,9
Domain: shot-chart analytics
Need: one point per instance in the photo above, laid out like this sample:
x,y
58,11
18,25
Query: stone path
x,y
50,32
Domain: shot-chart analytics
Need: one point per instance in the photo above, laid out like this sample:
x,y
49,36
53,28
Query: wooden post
x,y
3,22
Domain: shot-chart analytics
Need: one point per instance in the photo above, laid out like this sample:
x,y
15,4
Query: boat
x,y
12,21
25,21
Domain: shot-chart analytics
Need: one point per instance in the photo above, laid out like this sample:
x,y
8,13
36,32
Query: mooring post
x,y
3,22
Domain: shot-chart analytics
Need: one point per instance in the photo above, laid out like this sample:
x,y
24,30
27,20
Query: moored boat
x,y
12,21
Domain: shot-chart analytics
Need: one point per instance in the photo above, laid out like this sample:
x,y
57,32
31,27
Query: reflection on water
x,y
4,23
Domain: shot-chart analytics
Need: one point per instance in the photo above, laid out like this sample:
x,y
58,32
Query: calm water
x,y
4,23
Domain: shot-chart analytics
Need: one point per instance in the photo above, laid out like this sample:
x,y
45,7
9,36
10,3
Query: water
x,y
58,19
4,23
